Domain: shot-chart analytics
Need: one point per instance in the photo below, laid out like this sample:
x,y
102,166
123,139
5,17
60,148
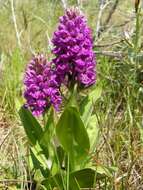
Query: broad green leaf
x,y
82,178
38,152
87,105
31,125
39,161
44,149
71,131
85,178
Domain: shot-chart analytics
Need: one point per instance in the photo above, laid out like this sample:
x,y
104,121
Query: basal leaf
x,y
71,131
82,178
39,161
31,125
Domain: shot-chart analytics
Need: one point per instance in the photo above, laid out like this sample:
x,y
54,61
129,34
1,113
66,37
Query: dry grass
x,y
119,109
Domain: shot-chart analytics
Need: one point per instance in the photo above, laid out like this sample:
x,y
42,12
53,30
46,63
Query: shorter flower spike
x,y
42,89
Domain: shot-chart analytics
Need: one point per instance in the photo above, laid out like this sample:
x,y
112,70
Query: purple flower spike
x,y
42,89
73,50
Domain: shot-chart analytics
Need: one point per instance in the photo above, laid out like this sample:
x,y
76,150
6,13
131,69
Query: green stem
x,y
73,96
60,171
68,171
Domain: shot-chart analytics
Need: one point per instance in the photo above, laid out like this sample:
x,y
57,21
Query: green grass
x,y
119,109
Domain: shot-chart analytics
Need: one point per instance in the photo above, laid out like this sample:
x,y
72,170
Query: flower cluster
x,y
74,62
42,89
73,50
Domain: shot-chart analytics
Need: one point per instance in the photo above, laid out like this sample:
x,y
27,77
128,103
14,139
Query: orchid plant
x,y
58,115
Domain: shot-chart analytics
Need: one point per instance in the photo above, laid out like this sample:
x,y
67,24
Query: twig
x,y
111,44
120,25
98,25
15,181
102,28
117,55
15,24
113,9
64,3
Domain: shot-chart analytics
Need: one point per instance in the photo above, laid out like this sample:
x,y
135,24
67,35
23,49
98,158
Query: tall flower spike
x,y
73,49
42,89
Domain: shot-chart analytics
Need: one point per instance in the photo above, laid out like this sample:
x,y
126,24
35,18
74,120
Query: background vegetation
x,y
25,28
